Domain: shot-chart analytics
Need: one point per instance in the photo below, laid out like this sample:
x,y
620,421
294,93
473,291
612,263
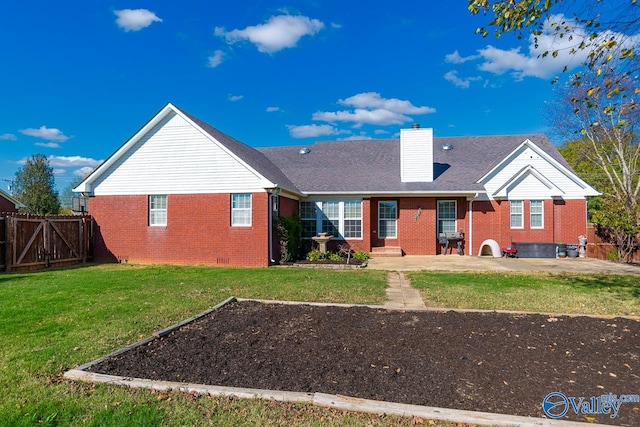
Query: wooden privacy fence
x,y
596,248
30,242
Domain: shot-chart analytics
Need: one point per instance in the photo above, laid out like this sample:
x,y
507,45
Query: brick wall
x,y
198,231
287,207
564,221
417,228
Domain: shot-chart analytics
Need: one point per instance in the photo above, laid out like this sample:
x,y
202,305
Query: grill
x,y
447,239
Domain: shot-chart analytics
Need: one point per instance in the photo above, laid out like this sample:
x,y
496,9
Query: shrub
x,y
289,230
361,255
335,256
316,255
613,255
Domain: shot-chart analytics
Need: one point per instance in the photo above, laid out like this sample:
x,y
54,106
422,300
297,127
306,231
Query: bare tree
x,y
595,32
600,127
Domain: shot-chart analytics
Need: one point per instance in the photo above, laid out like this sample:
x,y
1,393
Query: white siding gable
x,y
529,173
176,157
529,184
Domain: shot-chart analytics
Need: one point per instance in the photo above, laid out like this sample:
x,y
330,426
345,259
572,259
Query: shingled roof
x,y
359,166
373,166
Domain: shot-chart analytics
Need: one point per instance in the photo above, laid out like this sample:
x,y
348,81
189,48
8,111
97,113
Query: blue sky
x,y
78,78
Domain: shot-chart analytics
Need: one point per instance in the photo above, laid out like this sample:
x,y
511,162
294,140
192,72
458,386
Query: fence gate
x,y
33,243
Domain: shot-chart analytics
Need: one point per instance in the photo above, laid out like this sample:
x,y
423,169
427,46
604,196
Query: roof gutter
x,y
458,193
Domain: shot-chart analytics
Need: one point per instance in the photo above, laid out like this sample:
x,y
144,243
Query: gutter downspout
x,y
470,251
272,193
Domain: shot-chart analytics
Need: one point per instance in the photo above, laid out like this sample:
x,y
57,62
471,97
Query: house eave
x,y
454,193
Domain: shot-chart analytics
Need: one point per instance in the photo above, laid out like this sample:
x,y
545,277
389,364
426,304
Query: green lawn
x,y
54,320
606,294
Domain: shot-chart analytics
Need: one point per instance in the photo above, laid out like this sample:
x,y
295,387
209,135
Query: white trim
x,y
521,215
165,210
317,202
589,191
365,194
540,227
249,209
470,230
455,215
86,185
528,170
395,236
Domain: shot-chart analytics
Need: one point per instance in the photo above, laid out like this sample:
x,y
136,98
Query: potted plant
x,y
561,250
572,251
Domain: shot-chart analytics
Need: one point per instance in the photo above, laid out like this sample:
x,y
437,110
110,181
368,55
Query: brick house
x,y
8,203
180,191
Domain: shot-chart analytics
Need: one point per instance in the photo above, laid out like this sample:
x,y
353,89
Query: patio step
x,y
386,251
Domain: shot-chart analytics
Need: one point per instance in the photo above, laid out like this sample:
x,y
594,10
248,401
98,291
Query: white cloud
x,y
532,63
72,161
8,137
455,58
235,98
135,19
355,138
452,76
59,171
499,61
272,109
310,131
50,134
371,100
279,32
48,144
370,108
83,171
215,59
371,117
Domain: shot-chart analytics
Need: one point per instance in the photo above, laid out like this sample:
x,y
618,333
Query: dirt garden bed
x,y
490,362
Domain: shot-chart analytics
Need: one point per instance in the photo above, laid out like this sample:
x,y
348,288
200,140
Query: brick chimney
x,y
416,154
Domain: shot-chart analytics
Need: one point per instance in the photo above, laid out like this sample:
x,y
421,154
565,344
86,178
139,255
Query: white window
x,y
352,219
447,216
338,218
241,210
387,219
331,218
537,214
515,207
308,218
158,210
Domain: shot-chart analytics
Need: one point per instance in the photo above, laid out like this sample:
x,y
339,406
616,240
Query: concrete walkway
x,y
400,294
477,263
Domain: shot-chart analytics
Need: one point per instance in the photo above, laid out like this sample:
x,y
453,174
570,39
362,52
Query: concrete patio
x,y
476,263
